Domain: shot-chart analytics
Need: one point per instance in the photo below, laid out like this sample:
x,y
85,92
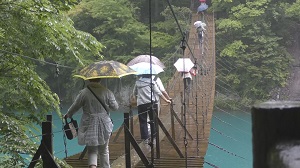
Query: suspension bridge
x,y
184,126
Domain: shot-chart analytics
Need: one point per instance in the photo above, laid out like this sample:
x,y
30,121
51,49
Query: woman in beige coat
x,y
95,126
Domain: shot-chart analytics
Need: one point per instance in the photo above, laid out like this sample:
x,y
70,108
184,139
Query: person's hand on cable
x,y
165,99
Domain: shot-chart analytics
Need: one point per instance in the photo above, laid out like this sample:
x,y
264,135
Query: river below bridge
x,y
230,139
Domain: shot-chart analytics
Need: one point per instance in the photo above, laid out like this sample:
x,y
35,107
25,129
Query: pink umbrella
x,y
146,68
146,58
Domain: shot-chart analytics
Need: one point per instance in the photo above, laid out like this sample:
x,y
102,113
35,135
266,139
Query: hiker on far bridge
x,y
203,6
200,26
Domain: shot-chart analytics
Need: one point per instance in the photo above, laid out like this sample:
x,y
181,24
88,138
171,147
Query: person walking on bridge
x,y
200,26
187,78
203,6
144,93
95,126
161,87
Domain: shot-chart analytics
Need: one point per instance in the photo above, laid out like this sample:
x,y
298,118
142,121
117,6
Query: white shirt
x,y
186,75
159,84
143,90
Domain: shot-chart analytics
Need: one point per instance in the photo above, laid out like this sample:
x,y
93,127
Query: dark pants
x,y
187,84
200,34
143,111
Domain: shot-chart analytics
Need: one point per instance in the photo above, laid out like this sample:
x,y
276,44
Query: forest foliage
x,y
34,34
253,38
43,41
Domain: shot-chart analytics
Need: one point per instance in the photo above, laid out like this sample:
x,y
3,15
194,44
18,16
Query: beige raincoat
x,y
95,126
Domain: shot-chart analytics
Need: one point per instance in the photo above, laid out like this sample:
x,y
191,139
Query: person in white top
x,y
187,78
145,90
161,86
200,26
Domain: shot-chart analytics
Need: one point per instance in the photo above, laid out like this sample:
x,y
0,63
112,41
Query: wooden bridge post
x,y
122,126
276,134
46,141
48,132
172,120
46,147
156,139
131,121
127,140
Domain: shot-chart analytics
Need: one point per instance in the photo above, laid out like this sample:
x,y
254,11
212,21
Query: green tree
x,y
253,37
115,25
124,28
34,33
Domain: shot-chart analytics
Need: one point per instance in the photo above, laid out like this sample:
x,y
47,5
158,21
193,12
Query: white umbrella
x,y
144,68
184,64
200,24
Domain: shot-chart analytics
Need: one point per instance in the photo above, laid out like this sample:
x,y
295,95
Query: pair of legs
x,y
187,84
200,34
143,111
158,111
103,152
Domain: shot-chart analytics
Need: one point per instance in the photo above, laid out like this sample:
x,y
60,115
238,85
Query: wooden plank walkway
x,y
199,107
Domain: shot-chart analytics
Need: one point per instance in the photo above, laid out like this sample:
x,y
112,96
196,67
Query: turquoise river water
x,y
229,146
230,141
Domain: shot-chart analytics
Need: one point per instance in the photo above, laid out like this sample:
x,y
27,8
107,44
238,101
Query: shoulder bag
x,y
71,128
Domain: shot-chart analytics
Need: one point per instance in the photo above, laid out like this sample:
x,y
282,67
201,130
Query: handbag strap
x,y
66,120
97,98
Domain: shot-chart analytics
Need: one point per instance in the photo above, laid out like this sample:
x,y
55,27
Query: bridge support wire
x,y
129,138
196,99
183,47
